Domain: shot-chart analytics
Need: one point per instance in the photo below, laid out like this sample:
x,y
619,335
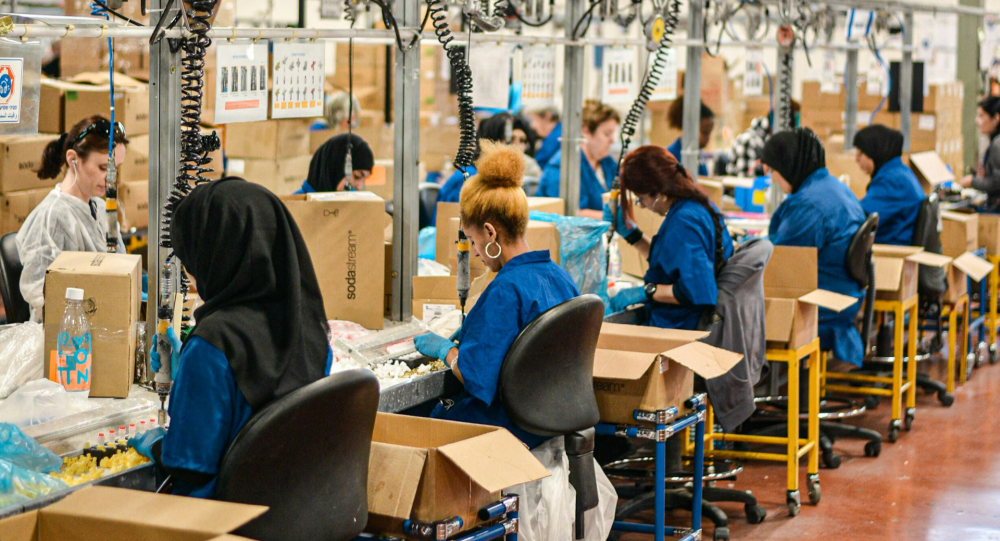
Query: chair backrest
x,y
17,308
306,457
547,377
429,192
859,252
933,282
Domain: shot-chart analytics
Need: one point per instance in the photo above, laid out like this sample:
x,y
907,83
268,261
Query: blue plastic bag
x,y
24,452
581,251
427,243
19,484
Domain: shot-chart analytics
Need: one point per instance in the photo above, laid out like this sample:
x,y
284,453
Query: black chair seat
x,y
18,310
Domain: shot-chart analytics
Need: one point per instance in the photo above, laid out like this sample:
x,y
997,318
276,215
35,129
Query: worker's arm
x,y
591,213
643,246
452,361
665,294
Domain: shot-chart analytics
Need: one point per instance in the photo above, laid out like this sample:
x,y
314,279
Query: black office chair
x,y
17,308
547,387
306,457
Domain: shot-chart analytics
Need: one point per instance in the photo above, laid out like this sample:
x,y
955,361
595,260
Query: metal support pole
x,y
691,150
406,177
851,99
165,143
906,80
572,118
967,71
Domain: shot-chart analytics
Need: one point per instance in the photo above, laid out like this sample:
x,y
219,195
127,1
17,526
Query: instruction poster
x,y
490,65
241,82
829,83
666,87
299,76
618,75
538,77
753,76
11,77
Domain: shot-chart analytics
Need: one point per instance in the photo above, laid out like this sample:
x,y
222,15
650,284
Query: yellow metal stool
x,y
958,330
900,309
992,321
796,447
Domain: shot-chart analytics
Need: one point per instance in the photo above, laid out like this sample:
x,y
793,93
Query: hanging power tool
x,y
462,278
101,9
784,120
663,31
164,320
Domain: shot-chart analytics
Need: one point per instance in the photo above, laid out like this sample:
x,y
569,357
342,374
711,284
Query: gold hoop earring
x,y
499,250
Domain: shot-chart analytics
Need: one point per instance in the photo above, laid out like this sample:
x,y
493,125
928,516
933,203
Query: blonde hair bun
x,y
499,165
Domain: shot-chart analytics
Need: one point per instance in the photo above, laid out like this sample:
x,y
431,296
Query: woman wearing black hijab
x,y
327,171
820,212
894,192
260,335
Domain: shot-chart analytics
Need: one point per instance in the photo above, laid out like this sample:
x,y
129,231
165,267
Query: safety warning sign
x,y
11,71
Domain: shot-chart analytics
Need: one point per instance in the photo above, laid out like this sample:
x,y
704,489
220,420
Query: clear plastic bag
x,y
548,506
25,452
21,355
582,251
19,484
41,401
429,267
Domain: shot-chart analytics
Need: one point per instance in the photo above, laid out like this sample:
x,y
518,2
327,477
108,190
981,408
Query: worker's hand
x,y
623,226
966,181
175,354
143,443
628,297
433,345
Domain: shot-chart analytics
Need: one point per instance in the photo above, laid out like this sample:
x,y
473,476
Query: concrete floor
x,y
940,481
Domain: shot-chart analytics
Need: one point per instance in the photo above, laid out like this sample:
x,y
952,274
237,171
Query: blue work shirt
x,y
682,254
676,149
895,194
306,188
525,287
591,190
550,146
207,411
825,214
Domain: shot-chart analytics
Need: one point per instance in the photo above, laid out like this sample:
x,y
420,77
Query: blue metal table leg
x,y
660,485
699,468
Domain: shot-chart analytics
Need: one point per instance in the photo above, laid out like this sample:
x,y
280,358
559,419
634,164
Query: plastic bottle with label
x,y
74,346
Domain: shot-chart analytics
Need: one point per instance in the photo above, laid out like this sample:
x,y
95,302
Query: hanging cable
x,y
107,10
462,75
587,16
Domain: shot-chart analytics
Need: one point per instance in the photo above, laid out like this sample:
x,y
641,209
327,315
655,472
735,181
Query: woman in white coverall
x,y
72,216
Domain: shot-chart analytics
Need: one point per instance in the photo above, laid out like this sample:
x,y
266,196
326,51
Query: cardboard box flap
x,y
829,300
156,510
930,259
783,276
957,216
931,167
705,360
434,287
888,273
94,263
621,365
779,318
495,461
643,339
973,266
394,497
423,432
890,250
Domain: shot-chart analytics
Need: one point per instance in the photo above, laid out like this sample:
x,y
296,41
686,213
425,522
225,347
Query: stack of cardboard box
x,y
273,153
20,188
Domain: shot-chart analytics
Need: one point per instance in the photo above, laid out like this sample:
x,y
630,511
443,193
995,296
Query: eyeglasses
x,y
101,128
641,201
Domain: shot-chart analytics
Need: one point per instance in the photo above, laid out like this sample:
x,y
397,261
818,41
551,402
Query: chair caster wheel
x,y
871,402
893,434
994,354
794,504
755,514
815,494
721,534
982,354
908,419
946,399
831,460
873,448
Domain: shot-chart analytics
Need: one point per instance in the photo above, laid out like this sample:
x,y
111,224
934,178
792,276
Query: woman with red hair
x,y
686,253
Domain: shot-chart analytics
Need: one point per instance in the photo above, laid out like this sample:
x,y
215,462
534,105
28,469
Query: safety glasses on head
x,y
101,128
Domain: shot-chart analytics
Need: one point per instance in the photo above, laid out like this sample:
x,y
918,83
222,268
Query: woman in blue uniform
x,y
687,252
823,213
597,167
675,117
260,335
327,170
494,214
545,122
894,192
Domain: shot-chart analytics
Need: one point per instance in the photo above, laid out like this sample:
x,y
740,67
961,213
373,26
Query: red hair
x,y
651,170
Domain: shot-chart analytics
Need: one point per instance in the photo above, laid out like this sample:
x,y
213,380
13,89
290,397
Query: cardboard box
x,y
539,236
345,234
896,270
270,139
713,189
436,296
930,170
959,233
17,206
79,55
134,199
92,98
52,108
651,369
792,300
437,144
552,205
280,176
430,470
445,212
20,158
633,263
112,291
89,514
989,233
967,265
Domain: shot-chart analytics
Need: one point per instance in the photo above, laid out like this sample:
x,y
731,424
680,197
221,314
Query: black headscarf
x,y
795,154
263,308
880,143
326,169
